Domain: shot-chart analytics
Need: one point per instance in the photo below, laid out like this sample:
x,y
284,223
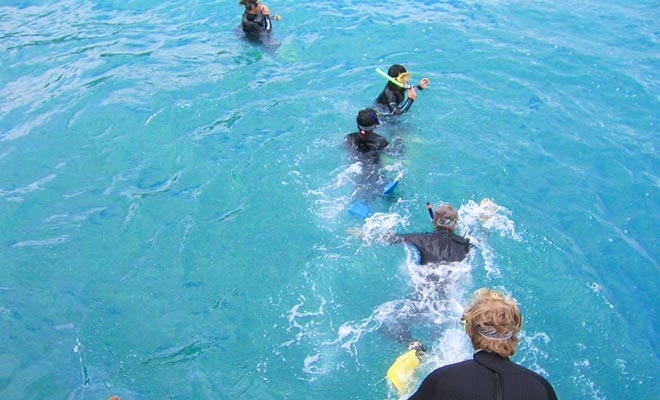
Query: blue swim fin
x,y
388,188
360,209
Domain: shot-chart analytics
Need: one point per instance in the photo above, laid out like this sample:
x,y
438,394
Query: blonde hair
x,y
492,322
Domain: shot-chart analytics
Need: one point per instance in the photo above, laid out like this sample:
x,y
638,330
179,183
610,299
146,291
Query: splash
x,y
432,304
380,226
331,199
487,216
478,220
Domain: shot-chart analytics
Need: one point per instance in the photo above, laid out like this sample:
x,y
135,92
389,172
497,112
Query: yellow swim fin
x,y
402,369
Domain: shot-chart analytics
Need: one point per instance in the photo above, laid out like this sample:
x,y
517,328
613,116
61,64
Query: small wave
x,y
310,365
130,213
217,126
32,187
81,359
179,355
294,314
77,217
43,242
155,190
231,214
531,347
587,386
188,227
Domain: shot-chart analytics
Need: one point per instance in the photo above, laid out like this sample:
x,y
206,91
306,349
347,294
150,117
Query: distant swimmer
x,y
441,245
492,323
393,97
256,17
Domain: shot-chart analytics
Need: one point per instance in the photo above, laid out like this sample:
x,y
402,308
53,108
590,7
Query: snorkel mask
x,y
404,77
366,128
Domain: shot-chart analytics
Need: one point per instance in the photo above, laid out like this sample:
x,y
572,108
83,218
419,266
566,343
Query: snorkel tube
x,y
393,80
430,208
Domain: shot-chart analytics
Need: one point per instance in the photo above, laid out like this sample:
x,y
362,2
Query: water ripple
x,y
43,242
179,355
154,190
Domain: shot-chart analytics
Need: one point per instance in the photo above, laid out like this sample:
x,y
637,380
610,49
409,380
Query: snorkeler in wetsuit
x,y
393,97
366,144
441,245
256,17
366,147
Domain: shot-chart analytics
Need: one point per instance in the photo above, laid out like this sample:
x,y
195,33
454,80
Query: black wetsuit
x,y
393,98
437,246
481,378
367,146
256,23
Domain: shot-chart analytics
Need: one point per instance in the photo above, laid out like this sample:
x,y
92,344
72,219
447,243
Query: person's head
x,y
249,4
492,321
367,120
398,72
445,217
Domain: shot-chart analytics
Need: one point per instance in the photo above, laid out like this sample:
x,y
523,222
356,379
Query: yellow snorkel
x,y
389,78
398,80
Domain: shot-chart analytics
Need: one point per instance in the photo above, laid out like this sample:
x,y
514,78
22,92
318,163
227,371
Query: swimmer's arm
x,y
392,102
266,12
392,237
406,105
422,84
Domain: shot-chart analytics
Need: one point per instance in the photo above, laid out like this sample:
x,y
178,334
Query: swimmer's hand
x,y
424,83
412,93
277,17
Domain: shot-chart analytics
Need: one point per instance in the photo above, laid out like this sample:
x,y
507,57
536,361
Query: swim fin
x,y
388,188
360,209
402,369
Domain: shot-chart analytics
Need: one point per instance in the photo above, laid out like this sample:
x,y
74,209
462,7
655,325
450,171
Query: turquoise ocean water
x,y
173,197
